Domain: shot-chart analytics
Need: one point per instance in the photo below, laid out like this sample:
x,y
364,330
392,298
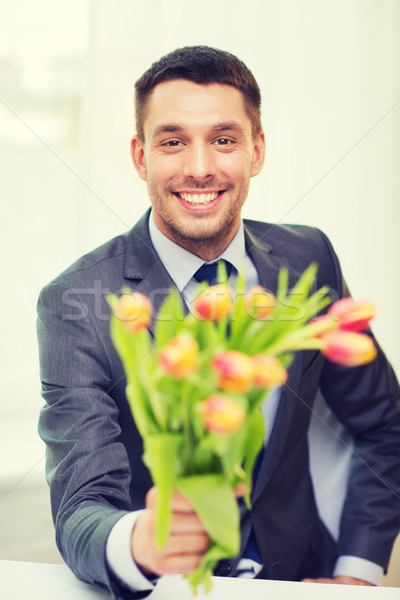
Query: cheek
x,y
236,166
162,170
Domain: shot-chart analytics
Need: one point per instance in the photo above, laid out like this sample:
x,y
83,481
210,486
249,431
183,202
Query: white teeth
x,y
198,198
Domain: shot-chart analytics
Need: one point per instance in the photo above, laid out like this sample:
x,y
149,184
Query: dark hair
x,y
204,65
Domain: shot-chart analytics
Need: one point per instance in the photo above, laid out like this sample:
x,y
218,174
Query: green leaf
x,y
304,284
213,500
206,334
162,456
283,283
222,275
170,318
232,458
202,575
140,409
255,441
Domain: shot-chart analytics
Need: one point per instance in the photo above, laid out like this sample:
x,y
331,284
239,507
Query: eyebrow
x,y
228,126
167,128
175,128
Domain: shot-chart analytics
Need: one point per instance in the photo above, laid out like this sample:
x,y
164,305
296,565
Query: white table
x,y
38,581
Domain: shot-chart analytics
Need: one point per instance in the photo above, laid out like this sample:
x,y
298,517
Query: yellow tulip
x,y
134,310
214,303
235,371
179,357
221,414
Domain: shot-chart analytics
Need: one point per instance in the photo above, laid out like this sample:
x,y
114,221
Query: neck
x,y
208,249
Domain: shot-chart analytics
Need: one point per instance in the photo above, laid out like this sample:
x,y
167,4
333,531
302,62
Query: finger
x,y
346,580
186,523
240,490
178,502
171,565
151,498
186,544
319,580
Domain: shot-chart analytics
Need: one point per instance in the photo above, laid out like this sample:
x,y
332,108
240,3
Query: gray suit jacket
x,y
94,464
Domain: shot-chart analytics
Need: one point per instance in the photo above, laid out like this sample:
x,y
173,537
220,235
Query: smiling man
x,y
199,141
197,153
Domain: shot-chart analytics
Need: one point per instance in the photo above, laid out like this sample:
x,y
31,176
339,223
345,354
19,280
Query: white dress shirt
x,y
181,266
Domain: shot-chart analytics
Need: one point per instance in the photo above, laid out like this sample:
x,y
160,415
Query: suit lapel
x,y
142,264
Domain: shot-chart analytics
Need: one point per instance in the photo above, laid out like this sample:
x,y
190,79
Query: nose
x,y
199,161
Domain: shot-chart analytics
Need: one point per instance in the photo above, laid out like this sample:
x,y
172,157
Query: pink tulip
x,y
214,303
221,414
268,371
349,348
179,357
260,303
352,314
134,310
235,370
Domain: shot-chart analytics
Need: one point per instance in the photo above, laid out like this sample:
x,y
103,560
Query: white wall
x,y
329,75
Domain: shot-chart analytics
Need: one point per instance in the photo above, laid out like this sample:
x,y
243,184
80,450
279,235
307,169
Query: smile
x,y
197,198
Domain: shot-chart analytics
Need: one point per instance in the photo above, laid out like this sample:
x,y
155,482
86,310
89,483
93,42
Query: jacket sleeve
x,y
367,400
87,466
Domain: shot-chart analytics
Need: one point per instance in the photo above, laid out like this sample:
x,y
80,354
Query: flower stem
x,y
188,433
299,340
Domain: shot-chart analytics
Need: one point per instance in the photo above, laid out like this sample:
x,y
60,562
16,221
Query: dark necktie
x,y
208,272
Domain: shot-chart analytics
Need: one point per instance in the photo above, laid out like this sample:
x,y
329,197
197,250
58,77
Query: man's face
x,y
197,157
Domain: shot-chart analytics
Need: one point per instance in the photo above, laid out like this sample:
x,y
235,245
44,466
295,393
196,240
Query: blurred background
x,y
329,73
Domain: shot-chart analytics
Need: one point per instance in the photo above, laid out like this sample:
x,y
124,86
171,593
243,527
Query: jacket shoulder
x,y
278,235
296,246
112,250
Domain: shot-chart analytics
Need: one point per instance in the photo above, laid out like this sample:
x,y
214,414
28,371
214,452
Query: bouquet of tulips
x,y
196,389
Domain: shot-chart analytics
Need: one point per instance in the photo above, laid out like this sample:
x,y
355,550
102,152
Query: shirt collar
x,y
182,264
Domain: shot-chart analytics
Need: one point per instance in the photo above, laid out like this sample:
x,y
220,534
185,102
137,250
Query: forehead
x,y
191,104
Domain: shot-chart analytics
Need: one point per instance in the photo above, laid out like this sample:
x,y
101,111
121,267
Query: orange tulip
x,y
222,414
259,302
214,303
349,348
134,310
352,314
235,370
268,371
180,356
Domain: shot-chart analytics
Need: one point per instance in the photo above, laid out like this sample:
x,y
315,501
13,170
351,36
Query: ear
x,y
137,155
258,154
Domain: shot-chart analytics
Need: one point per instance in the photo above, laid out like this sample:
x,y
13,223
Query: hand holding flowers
x,y
196,391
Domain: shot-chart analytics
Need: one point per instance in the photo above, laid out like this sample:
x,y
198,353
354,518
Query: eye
x,y
172,143
223,142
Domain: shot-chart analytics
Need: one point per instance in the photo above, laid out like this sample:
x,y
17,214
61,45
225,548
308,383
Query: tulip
x,y
235,370
268,371
260,303
352,315
134,310
221,414
349,348
179,357
214,303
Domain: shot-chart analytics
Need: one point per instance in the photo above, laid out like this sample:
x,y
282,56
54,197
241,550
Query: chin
x,y
205,232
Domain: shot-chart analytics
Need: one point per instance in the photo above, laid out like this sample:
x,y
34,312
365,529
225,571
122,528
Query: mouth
x,y
199,199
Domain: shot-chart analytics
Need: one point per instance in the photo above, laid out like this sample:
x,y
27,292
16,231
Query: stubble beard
x,y
199,234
